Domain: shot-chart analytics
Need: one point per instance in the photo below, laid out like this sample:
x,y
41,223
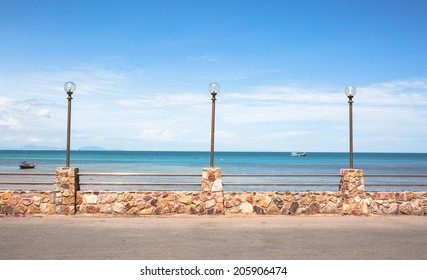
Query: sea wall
x,y
283,203
18,203
66,198
137,203
397,203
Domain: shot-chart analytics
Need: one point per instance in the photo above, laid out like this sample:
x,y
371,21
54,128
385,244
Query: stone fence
x,y
351,199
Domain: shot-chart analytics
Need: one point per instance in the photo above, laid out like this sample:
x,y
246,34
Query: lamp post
x,y
69,88
350,91
214,89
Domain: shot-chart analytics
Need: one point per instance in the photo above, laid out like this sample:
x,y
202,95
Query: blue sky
x,y
142,70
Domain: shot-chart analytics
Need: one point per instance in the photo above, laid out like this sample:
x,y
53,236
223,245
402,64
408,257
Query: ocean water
x,y
230,163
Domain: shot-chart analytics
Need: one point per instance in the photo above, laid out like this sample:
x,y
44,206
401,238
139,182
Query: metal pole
x,y
350,106
213,129
67,161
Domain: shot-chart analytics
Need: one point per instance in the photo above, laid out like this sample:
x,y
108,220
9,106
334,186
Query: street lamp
x,y
213,89
350,91
69,88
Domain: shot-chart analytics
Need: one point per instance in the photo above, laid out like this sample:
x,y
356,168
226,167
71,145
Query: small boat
x,y
298,154
27,165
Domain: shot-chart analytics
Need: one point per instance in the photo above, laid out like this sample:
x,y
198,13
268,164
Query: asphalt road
x,y
195,237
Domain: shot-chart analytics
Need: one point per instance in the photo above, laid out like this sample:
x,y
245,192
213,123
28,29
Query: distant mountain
x,y
92,148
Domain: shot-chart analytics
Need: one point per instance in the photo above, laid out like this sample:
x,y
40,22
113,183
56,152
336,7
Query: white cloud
x,y
163,100
33,139
10,122
412,92
155,135
286,134
43,113
8,104
224,135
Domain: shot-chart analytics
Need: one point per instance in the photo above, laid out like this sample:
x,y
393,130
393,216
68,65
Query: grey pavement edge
x,y
195,237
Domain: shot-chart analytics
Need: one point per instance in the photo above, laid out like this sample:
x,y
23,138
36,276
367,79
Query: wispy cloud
x,y
155,135
10,123
110,109
43,113
225,135
286,134
410,92
206,58
164,100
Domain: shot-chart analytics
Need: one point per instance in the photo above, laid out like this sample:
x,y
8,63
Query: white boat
x,y
298,154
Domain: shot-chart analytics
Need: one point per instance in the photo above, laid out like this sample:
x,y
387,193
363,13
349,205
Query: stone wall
x,y
397,203
18,203
351,199
284,203
135,203
145,203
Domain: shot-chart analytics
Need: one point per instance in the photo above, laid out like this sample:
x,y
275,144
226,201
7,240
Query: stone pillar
x,y
64,194
211,194
352,188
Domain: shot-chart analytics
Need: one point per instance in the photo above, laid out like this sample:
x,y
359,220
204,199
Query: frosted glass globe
x,y
350,91
214,88
69,87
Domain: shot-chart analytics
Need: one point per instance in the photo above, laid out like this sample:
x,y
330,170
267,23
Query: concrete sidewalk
x,y
219,237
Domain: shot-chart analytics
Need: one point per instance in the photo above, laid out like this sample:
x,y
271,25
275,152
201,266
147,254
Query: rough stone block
x,y
90,199
210,203
217,185
26,201
228,204
193,210
37,200
6,196
186,199
119,208
259,210
293,208
406,208
219,208
273,210
306,200
263,200
33,209
246,208
288,197
132,210
236,201
111,198
330,208
162,202
315,207
92,209
106,209
249,197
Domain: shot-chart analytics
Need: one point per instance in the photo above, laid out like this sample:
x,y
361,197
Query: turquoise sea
x,y
230,163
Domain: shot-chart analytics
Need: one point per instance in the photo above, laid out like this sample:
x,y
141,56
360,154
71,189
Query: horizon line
x,y
205,151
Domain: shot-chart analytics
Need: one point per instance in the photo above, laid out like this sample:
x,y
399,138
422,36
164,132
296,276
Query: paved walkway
x,y
194,237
